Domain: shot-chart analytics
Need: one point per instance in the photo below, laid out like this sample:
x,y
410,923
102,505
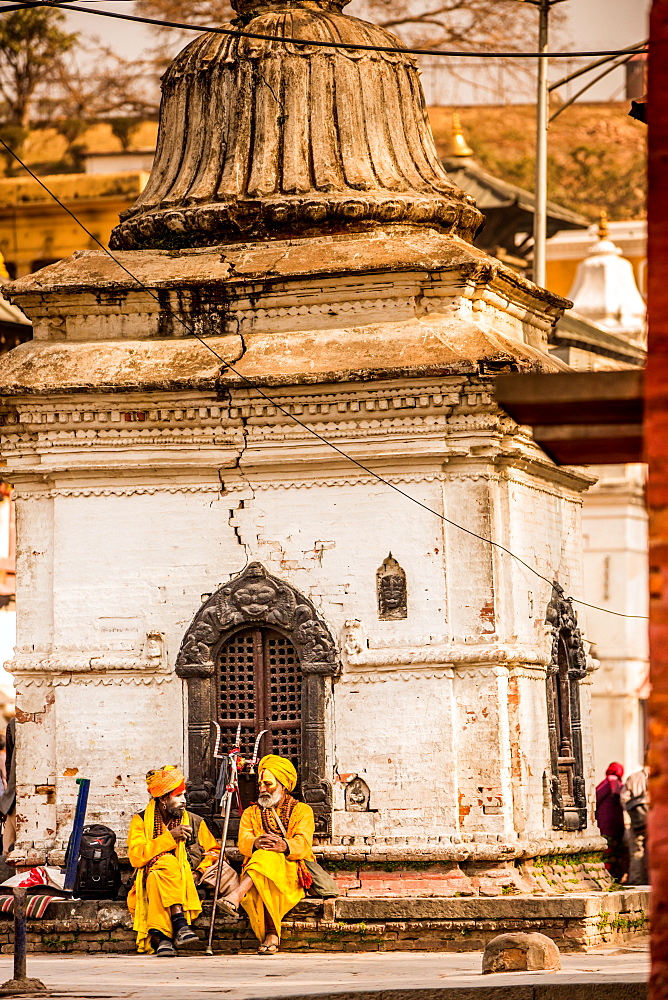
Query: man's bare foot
x,y
269,946
238,894
228,906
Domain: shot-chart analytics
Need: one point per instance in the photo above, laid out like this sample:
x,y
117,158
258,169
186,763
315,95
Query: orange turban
x,y
164,780
281,768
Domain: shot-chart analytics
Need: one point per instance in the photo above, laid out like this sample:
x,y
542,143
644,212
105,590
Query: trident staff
x,y
227,788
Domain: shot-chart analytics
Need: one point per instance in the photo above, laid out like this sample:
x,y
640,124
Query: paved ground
x,y
242,977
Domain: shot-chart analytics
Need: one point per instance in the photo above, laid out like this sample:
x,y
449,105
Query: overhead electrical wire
x,y
256,388
614,64
592,66
316,42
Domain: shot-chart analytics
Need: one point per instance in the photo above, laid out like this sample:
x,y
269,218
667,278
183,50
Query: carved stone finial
x,y
391,590
249,9
268,138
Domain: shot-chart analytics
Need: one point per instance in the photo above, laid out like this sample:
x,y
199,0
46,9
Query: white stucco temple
x,y
225,529
615,529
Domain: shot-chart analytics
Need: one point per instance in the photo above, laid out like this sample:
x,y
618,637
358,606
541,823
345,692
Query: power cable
x,y
587,69
284,410
614,64
320,43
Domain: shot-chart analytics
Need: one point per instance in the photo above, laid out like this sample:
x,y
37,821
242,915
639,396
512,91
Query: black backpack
x,y
98,871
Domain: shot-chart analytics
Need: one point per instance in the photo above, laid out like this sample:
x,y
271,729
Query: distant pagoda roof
x,y
508,209
491,192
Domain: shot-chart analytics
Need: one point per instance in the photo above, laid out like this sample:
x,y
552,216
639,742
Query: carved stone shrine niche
x,y
357,796
567,667
391,590
257,654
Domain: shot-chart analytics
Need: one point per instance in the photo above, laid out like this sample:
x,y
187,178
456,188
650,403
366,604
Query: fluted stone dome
x,y
268,138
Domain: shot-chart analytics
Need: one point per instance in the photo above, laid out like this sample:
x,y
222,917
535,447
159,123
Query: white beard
x,y
270,799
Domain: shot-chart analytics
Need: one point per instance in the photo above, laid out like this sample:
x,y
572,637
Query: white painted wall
x,y
438,723
616,577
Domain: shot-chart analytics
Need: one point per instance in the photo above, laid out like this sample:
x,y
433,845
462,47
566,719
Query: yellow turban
x,y
281,768
164,780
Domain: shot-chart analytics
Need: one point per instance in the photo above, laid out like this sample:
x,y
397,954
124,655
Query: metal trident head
x,y
236,749
219,736
256,750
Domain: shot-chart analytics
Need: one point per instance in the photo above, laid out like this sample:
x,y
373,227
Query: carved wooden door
x,y
562,712
259,684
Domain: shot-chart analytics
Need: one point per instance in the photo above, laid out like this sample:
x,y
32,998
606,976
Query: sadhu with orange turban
x,y
276,838
170,850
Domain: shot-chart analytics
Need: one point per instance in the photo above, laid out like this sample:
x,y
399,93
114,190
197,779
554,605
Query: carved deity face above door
x,y
257,653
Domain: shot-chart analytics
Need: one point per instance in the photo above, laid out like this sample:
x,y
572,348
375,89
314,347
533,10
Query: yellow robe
x,y
170,879
275,876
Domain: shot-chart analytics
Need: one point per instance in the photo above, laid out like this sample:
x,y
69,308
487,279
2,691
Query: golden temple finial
x,y
458,144
603,231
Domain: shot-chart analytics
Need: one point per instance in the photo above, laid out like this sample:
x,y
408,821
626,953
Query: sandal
x,y
229,907
185,936
268,949
165,949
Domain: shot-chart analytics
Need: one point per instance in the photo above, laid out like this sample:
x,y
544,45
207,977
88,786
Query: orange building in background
x,y
35,231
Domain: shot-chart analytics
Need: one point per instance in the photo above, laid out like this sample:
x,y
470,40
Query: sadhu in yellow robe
x,y
275,876
164,874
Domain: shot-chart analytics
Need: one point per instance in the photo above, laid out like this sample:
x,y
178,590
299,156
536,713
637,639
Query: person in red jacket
x,y
610,819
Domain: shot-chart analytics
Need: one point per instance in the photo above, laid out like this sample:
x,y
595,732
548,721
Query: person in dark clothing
x,y
8,797
610,819
634,797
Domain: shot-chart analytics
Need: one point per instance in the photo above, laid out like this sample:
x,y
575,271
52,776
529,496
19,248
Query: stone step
x,y
575,922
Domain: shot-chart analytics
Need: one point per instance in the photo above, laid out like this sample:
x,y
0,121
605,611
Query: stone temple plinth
x,y
189,551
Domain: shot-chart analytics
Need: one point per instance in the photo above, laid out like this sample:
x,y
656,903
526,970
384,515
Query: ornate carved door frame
x,y
256,598
567,667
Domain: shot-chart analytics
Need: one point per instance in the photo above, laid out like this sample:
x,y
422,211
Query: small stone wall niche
x,y
357,796
392,591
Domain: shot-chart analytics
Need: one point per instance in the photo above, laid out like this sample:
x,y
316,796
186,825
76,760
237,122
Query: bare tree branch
x,y
467,25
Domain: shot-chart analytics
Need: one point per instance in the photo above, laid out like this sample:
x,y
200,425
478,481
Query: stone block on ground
x,y
521,953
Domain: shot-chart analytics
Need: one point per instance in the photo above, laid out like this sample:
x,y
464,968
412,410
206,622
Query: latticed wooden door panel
x,y
258,684
235,689
283,704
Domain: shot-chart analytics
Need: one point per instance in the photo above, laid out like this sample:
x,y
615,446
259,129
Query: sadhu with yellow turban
x,y
170,850
276,838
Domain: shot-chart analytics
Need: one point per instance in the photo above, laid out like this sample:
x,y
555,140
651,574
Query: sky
x,y
607,23
592,23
